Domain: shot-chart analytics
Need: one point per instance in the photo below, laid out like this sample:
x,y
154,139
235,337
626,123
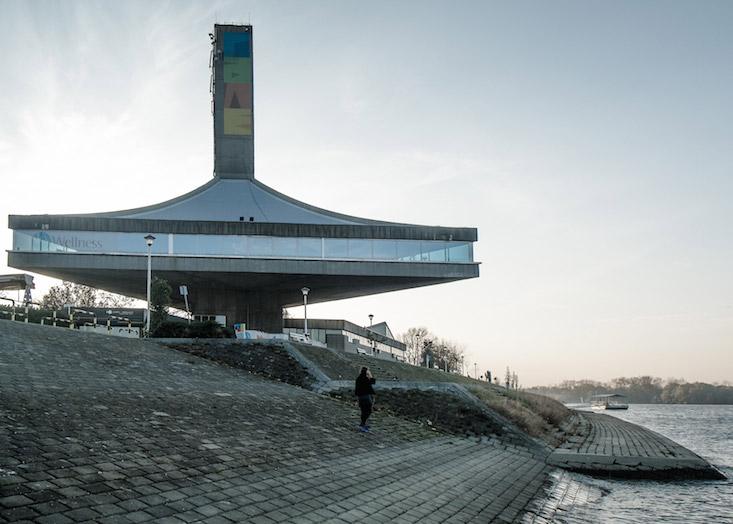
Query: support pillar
x,y
257,310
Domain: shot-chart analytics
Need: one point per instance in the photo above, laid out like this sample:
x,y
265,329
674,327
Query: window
x,y
360,248
260,246
335,248
309,247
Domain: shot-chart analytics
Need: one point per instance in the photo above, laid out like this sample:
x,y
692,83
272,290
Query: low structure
x,y
18,282
376,341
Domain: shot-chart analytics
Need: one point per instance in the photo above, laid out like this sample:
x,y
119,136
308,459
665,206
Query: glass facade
x,y
243,246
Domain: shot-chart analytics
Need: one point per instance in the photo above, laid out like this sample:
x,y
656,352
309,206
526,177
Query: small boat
x,y
608,401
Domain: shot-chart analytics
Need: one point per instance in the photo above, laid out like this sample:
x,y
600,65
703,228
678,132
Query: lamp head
x,y
305,291
149,240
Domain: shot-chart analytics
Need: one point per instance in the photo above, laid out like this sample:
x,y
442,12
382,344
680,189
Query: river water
x,y
704,430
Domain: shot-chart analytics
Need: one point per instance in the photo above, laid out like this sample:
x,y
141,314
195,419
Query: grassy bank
x,y
535,415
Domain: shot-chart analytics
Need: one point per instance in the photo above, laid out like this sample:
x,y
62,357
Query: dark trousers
x,y
365,403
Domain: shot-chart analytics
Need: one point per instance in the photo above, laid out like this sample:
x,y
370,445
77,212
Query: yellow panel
x,y
237,121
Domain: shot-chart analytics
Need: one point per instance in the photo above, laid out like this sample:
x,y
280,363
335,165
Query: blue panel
x,y
408,250
210,244
260,246
384,249
236,45
459,252
309,247
185,245
360,248
285,247
434,250
335,248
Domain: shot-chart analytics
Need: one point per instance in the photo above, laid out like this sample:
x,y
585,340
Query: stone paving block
x,y
172,520
114,519
53,519
72,491
132,505
15,500
81,514
107,510
18,513
262,519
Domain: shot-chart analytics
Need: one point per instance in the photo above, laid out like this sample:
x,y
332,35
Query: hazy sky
x,y
590,143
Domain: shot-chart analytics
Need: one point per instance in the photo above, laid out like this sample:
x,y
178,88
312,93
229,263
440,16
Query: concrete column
x,y
258,310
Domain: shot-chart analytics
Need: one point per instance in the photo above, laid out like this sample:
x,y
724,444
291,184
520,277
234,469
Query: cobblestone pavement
x,y
608,445
102,429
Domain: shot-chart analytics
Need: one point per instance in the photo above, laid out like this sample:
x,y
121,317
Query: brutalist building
x,y
243,250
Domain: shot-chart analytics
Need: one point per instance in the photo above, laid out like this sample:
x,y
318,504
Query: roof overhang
x,y
281,278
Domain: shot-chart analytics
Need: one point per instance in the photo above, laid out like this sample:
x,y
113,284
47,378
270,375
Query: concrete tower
x,y
231,86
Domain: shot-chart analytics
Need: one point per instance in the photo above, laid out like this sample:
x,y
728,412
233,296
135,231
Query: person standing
x,y
364,393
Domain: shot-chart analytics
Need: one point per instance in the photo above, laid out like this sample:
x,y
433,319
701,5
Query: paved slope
x,y
102,429
613,447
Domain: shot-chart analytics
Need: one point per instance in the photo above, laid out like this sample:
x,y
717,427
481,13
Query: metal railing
x,y
22,314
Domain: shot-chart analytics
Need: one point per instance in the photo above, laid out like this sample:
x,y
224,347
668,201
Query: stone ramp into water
x,y
609,446
108,430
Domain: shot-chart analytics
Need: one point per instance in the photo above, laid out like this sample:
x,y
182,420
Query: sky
x,y
588,142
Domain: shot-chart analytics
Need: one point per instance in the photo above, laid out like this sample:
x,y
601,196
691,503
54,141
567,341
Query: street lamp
x,y
305,291
149,241
371,336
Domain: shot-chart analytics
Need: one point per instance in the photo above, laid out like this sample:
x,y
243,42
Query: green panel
x,y
238,70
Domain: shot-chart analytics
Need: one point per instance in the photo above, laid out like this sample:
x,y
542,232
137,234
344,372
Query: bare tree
x,y
416,339
79,295
445,354
449,354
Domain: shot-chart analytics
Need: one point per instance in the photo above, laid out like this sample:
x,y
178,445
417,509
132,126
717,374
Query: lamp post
x,y
305,291
371,336
149,241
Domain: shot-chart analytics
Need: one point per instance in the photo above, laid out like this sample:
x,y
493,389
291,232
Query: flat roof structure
x,y
243,249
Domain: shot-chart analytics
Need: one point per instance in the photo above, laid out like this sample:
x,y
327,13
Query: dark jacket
x,y
364,386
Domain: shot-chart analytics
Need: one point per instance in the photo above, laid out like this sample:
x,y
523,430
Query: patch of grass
x,y
338,365
536,415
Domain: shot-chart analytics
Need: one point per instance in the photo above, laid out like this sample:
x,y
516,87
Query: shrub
x,y
175,329
208,329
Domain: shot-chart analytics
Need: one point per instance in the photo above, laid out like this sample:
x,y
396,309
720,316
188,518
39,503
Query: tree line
x,y
426,349
641,390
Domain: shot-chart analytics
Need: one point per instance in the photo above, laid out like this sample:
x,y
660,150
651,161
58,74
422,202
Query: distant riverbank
x,y
640,390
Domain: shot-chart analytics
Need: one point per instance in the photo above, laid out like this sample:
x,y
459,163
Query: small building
x,y
376,340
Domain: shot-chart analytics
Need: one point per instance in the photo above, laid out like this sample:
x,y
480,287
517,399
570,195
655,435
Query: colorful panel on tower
x,y
237,68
